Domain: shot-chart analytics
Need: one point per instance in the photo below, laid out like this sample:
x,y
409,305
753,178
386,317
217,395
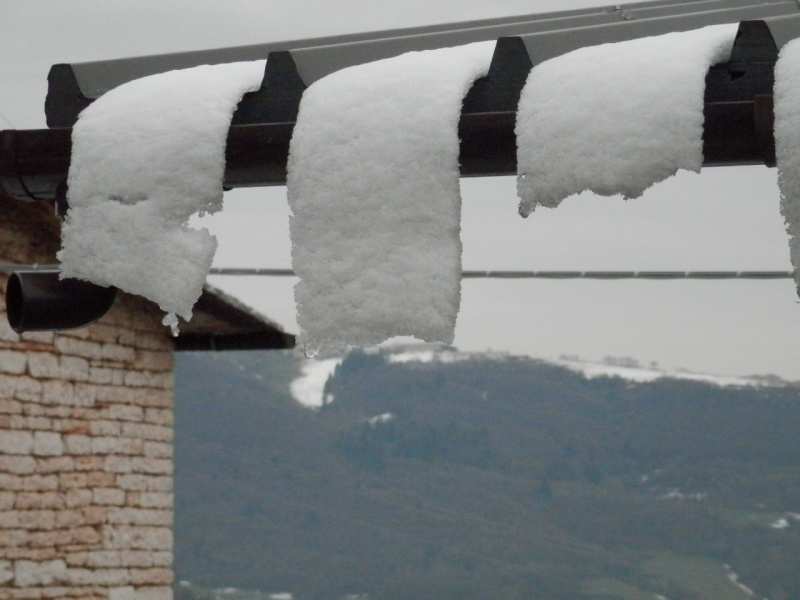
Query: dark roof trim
x,y
738,121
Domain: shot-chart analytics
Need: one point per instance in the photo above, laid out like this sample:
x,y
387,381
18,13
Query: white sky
x,y
725,218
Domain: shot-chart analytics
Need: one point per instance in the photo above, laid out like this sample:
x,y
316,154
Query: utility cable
x,y
710,275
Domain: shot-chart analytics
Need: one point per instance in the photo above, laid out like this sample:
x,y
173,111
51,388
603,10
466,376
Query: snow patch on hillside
x,y
590,370
309,388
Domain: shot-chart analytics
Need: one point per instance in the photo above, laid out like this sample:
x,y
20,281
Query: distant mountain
x,y
417,473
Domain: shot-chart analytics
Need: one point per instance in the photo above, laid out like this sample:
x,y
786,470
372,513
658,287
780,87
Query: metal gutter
x,y
738,121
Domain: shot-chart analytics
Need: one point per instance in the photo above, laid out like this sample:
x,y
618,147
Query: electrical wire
x,y
555,274
709,275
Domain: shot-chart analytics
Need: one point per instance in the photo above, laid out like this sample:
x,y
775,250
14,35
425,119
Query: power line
x,y
554,274
491,274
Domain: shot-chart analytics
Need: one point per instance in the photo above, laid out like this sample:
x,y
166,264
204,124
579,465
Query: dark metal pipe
x,y
40,301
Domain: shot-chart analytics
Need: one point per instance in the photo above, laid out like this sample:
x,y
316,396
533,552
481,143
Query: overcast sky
x,y
722,219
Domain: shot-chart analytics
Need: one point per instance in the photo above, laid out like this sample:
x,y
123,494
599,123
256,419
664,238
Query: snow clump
x,y
615,118
787,145
373,186
146,156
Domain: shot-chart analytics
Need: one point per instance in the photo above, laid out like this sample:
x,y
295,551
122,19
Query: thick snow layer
x,y
615,118
145,157
373,185
787,144
309,388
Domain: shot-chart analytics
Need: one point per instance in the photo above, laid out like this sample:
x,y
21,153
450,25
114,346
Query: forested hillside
x,y
483,478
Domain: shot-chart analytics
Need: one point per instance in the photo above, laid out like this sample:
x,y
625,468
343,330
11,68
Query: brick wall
x,y
85,444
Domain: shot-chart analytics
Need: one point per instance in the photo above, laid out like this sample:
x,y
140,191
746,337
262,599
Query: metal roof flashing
x,y
562,31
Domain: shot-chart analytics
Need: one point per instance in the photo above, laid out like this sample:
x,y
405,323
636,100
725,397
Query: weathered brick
x,y
117,445
53,410
133,482
13,362
106,375
105,427
104,558
73,426
6,333
139,516
43,365
74,368
38,500
69,519
26,423
125,412
126,337
156,433
55,465
139,558
16,442
41,337
100,332
13,537
7,500
72,480
28,389
6,571
36,519
154,341
77,444
118,353
155,466
119,464
154,576
159,416
158,449
154,593
77,497
122,593
89,463
58,392
34,483
155,398
76,559
103,577
99,479
85,536
7,405
28,573
11,482
95,515
83,333
32,554
129,537
162,559
18,464
154,500
153,360
149,379
47,444
76,347
8,386
109,496
84,394
50,539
